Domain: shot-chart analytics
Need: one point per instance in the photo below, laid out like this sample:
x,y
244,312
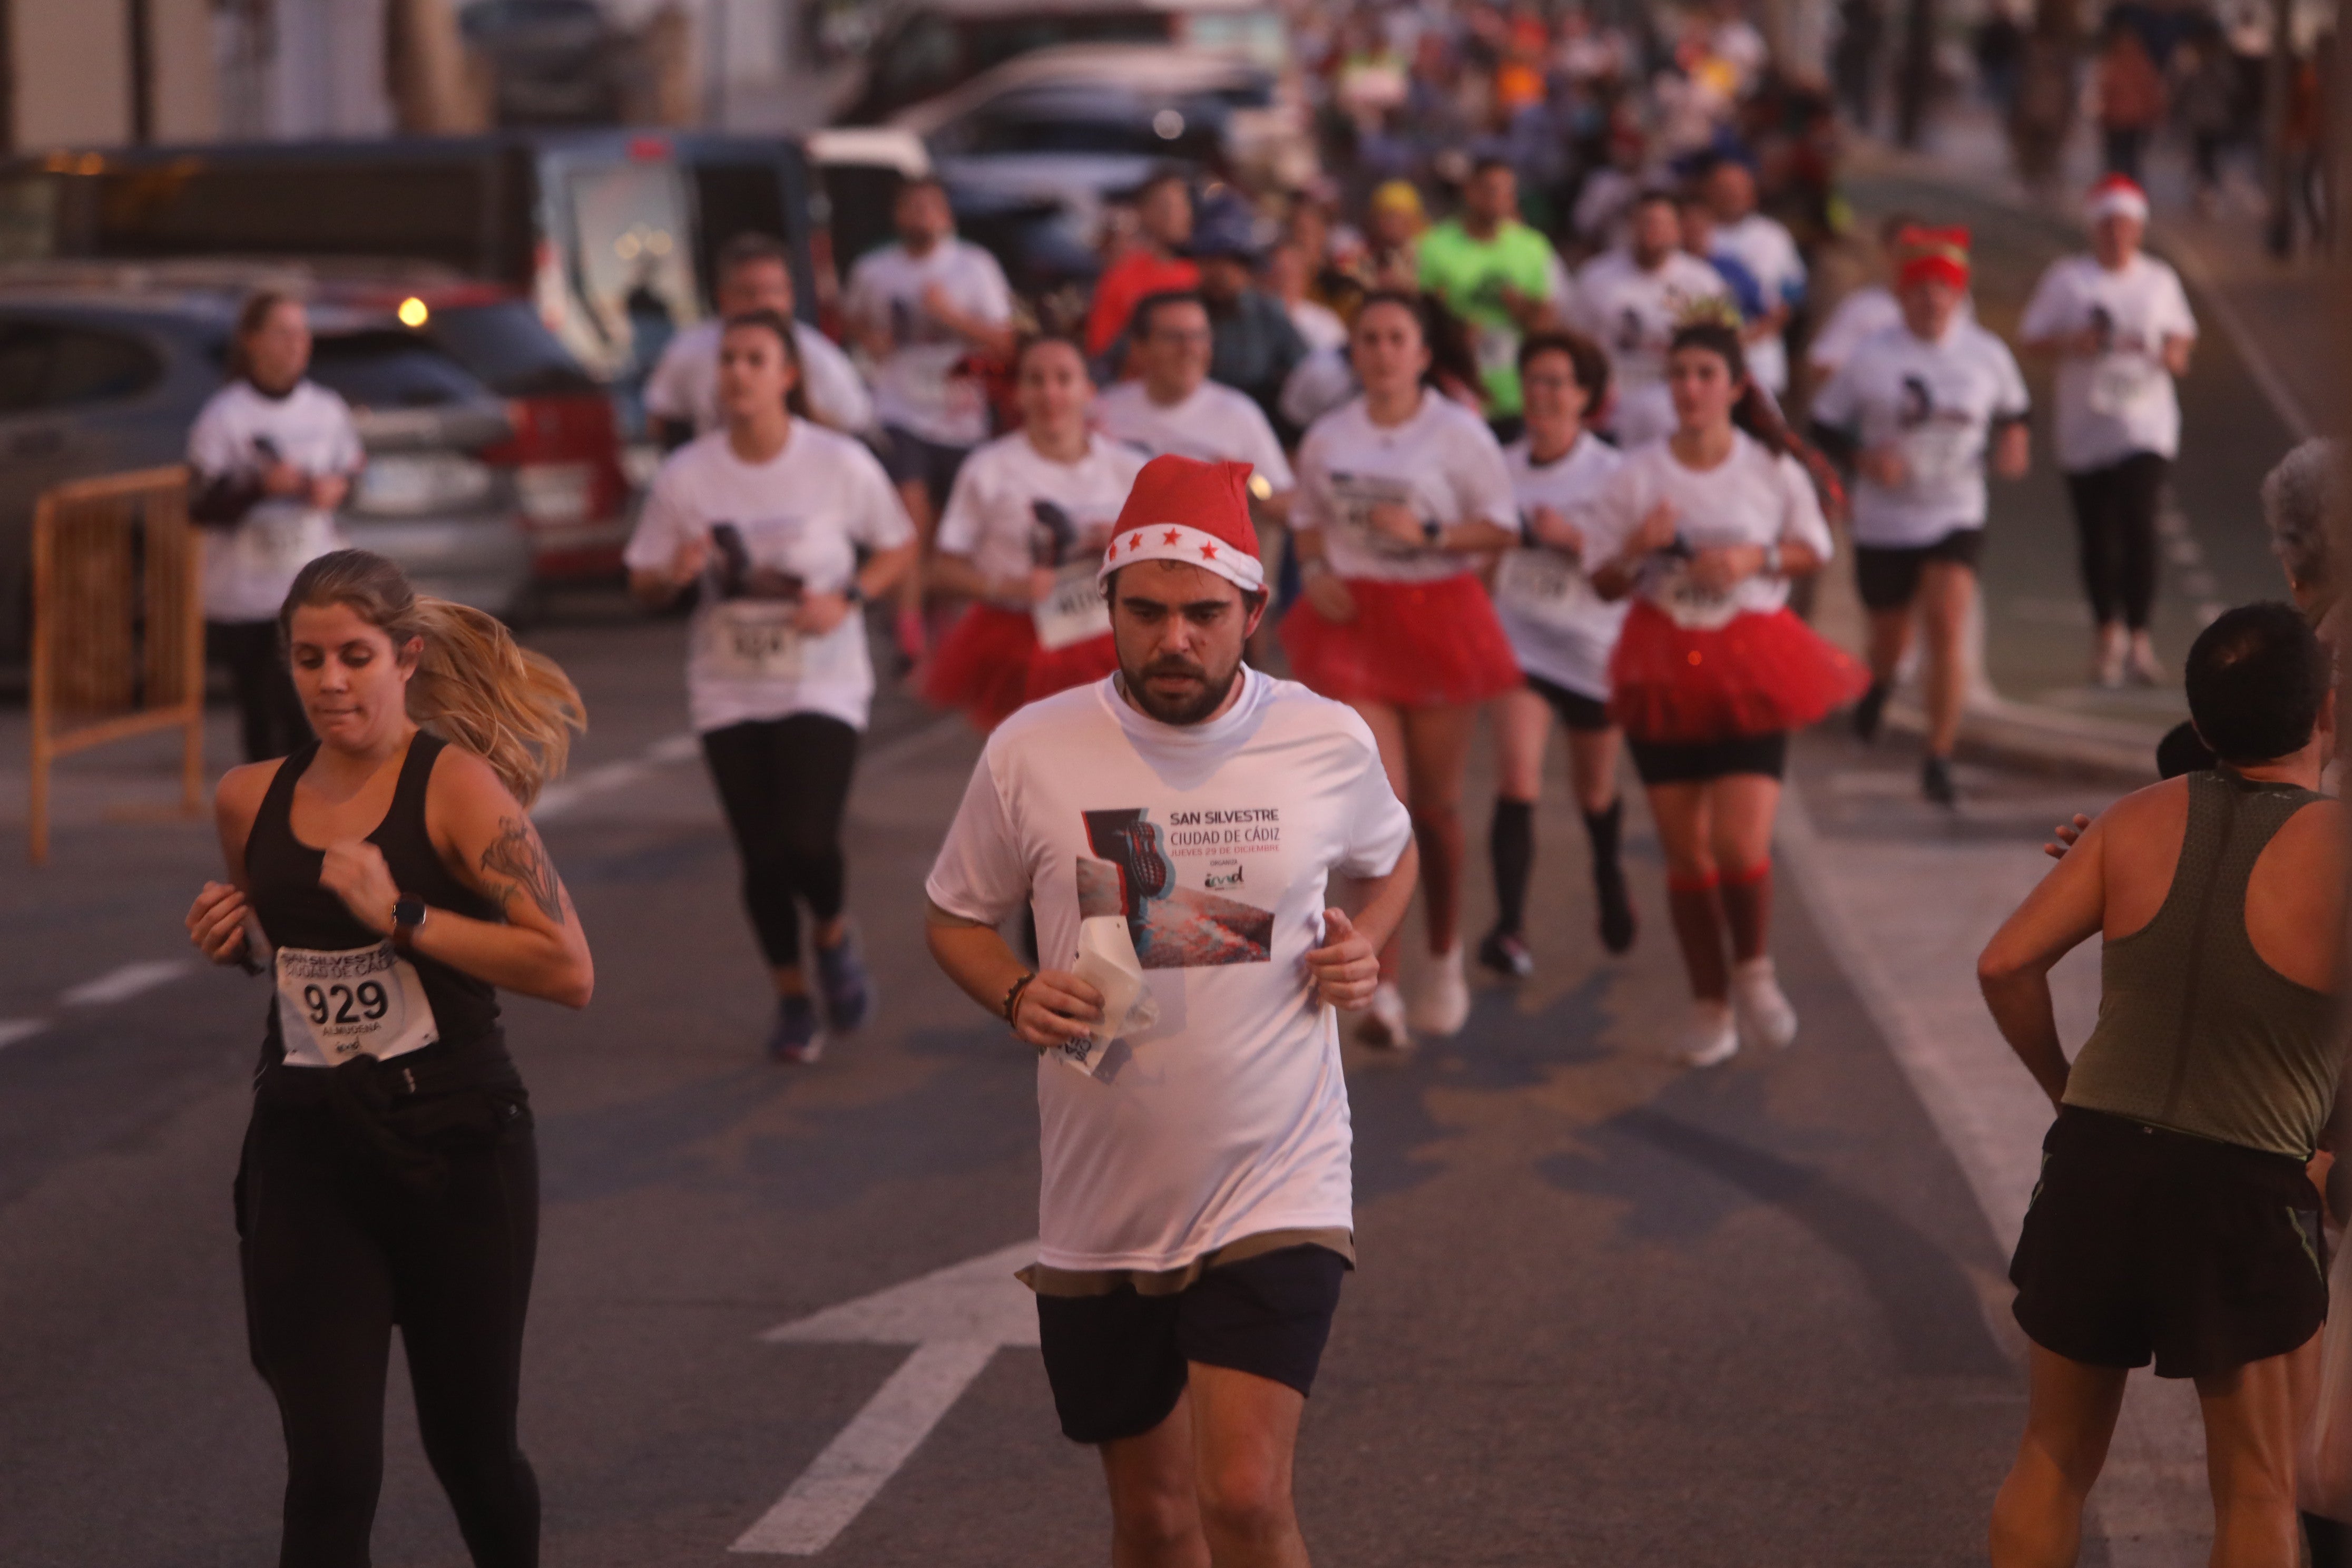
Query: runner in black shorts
x,y
2173,1221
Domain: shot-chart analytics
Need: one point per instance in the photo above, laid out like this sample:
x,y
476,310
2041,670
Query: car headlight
x,y
413,484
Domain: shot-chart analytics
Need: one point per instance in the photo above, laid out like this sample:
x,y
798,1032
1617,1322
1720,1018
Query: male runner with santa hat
x,y
1177,829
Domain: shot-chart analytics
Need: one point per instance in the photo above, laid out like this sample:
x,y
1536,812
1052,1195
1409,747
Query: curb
x,y
1994,728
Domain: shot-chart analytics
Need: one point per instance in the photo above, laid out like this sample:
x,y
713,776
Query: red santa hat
x,y
1180,509
2117,196
1932,254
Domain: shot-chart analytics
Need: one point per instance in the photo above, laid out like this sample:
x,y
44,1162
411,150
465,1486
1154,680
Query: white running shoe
x,y
2109,659
1441,1004
1711,1038
1383,1022
1765,1016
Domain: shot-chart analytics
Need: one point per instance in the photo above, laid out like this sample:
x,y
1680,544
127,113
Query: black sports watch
x,y
408,912
854,593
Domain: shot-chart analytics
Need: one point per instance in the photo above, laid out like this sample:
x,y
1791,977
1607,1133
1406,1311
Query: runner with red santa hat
x,y
1023,534
2119,325
1399,491
1214,858
1705,530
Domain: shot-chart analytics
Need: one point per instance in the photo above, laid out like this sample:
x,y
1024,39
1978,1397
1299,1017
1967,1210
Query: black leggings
x,y
2114,523
784,784
335,1252
270,713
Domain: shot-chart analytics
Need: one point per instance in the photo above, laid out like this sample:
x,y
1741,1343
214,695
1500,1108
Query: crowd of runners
x,y
1227,566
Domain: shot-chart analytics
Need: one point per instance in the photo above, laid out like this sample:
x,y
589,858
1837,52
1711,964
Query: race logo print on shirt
x,y
754,619
1180,889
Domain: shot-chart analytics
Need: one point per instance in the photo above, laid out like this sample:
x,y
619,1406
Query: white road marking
x,y
956,1318
2265,375
561,796
15,1029
123,984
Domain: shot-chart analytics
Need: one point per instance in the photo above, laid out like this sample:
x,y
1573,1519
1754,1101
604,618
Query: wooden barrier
x,y
118,626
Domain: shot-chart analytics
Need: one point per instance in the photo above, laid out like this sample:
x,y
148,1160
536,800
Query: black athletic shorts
x,y
2143,1242
909,459
1118,1362
1696,762
1888,576
1576,711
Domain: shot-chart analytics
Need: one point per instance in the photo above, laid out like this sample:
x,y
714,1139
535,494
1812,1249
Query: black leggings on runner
x,y
335,1251
2114,523
784,784
270,714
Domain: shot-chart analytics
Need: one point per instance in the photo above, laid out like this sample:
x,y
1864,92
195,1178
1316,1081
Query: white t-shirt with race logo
x,y
1632,313
1007,491
1228,1117
1442,465
684,384
777,530
1214,425
1753,497
240,433
916,388
1937,404
1764,246
1560,629
2112,405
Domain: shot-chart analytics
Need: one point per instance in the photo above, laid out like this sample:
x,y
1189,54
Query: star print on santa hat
x,y
1193,512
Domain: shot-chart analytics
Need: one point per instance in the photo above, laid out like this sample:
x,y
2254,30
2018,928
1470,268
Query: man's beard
x,y
1191,709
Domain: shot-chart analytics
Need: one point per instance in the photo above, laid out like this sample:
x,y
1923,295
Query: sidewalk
x,y
2257,386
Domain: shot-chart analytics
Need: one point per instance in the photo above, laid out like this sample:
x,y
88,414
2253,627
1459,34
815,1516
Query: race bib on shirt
x,y
1074,610
363,1001
1353,497
1545,586
2125,384
1938,454
1691,607
753,639
1497,350
274,540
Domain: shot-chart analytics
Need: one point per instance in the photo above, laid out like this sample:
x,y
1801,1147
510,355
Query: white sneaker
x,y
2143,667
2108,663
1710,1038
1383,1022
1765,1016
1440,1004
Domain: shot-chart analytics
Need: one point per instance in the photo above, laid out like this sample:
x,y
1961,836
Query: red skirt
x,y
1411,645
1753,675
1080,664
982,665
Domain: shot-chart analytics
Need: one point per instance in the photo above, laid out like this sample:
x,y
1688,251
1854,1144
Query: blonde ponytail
x,y
474,685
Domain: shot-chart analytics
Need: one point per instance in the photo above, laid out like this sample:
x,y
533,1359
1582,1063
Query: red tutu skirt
x,y
1080,664
1411,645
982,665
1751,676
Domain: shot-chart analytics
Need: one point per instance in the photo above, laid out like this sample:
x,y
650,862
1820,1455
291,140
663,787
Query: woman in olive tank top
x,y
389,878
2174,1219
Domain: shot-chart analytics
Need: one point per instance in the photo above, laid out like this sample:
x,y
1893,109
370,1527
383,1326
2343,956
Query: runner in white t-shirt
x,y
1629,300
1398,491
1916,412
1024,532
273,456
1766,249
1172,406
2119,324
1705,530
755,273
1213,858
766,518
1563,632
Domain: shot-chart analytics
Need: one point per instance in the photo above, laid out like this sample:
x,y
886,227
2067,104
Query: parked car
x,y
98,380
935,46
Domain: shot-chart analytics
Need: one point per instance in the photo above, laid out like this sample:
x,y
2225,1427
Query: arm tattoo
x,y
517,856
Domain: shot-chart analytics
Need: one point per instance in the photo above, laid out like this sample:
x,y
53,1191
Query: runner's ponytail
x,y
474,683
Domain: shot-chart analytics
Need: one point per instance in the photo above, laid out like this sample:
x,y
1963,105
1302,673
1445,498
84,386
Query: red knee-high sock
x,y
1747,909
1698,928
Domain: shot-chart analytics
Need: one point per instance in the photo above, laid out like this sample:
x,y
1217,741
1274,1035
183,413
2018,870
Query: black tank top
x,y
282,883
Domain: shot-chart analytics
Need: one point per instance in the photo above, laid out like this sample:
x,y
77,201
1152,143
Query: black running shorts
x,y
2143,1242
1576,711
909,459
1118,1362
1888,576
1698,762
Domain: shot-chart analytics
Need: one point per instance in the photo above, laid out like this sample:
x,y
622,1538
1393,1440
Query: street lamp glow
x,y
413,312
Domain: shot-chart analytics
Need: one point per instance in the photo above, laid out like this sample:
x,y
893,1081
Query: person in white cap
x,y
1178,828
2119,324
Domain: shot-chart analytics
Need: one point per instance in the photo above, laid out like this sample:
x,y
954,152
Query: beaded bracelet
x,y
1011,1006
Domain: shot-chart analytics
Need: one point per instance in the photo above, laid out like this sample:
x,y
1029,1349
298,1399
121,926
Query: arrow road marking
x,y
955,1318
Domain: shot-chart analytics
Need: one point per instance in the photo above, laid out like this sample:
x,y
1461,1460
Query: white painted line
x,y
675,749
15,1029
2289,407
129,980
564,794
956,1318
836,1488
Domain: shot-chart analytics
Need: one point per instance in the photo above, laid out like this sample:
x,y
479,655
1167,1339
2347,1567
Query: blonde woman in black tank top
x,y
389,880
